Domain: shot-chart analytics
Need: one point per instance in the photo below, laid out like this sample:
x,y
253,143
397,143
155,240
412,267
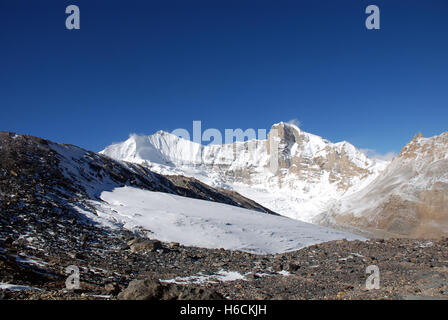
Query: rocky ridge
x,y
408,199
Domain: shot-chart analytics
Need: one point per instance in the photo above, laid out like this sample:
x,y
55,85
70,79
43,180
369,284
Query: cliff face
x,y
311,158
409,198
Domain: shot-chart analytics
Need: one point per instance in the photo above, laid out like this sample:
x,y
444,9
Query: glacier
x,y
207,224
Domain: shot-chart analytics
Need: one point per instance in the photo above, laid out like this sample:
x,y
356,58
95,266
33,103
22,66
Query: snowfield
x,y
208,224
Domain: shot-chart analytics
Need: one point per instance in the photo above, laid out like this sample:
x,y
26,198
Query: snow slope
x,y
312,172
208,224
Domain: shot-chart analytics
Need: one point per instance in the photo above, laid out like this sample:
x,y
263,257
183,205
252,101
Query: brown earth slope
x,y
408,199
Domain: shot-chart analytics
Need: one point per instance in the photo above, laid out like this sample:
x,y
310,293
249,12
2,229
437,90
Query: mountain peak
x,y
432,148
286,126
303,170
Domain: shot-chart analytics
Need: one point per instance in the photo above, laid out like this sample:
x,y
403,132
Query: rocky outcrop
x,y
310,157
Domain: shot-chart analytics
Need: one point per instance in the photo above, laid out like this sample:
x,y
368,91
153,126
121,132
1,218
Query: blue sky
x,y
140,66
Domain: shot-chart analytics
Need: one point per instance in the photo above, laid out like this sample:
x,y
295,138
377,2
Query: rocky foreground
x,y
108,264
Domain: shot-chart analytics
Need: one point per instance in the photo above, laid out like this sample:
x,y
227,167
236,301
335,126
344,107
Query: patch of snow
x,y
427,244
101,296
284,273
15,287
220,276
30,260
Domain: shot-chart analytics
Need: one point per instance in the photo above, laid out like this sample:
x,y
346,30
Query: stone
x,y
292,267
147,289
112,288
133,241
152,289
174,245
146,245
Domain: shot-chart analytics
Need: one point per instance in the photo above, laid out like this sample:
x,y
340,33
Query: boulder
x,y
146,245
174,245
152,289
147,289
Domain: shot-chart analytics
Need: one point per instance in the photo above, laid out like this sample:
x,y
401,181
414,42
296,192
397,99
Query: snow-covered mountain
x,y
409,198
312,172
45,185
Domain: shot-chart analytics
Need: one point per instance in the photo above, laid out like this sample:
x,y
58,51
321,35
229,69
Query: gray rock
x,y
152,289
133,241
147,289
146,245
